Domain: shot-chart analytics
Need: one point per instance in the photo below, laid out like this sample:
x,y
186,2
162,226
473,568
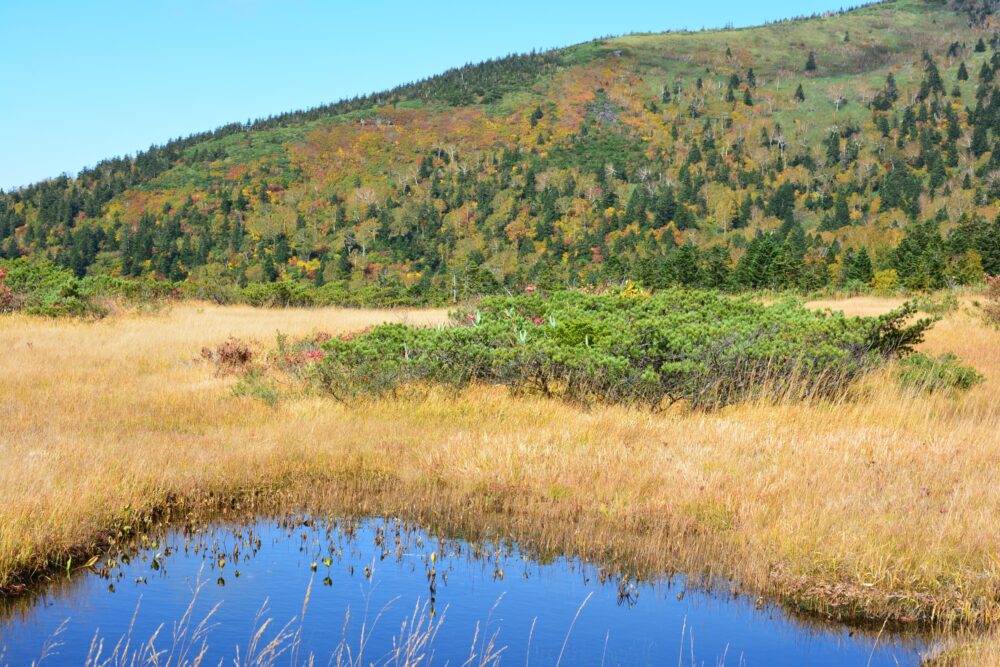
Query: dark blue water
x,y
379,585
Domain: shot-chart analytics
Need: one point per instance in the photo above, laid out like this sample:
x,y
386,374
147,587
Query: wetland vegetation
x,y
634,379
877,503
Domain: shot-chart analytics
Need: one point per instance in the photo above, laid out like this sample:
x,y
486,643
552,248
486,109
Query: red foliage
x,y
351,335
232,356
8,300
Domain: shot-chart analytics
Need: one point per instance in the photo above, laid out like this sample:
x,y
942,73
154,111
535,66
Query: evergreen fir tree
x,y
859,267
270,271
344,266
320,278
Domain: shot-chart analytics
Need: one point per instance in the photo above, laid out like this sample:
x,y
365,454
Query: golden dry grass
x,y
885,505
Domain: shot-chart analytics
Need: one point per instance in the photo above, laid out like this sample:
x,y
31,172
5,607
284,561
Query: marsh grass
x,y
875,505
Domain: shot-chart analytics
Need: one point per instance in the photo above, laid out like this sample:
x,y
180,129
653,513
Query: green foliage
x,y
257,384
944,373
279,294
889,335
698,347
940,305
599,147
42,288
644,157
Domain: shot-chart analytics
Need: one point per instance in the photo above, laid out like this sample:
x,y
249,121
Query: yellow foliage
x,y
885,280
633,291
835,269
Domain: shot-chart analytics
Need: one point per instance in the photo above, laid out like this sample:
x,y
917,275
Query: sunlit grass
x,y
884,505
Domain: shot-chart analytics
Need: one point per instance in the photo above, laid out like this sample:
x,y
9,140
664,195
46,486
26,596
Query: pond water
x,y
378,591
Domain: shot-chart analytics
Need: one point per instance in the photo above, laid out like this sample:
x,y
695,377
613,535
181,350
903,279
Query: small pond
x,y
379,591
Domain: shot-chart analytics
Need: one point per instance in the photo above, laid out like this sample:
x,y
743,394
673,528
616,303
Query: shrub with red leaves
x,y
8,299
351,335
232,356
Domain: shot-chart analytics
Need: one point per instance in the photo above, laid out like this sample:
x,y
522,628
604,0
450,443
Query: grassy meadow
x,y
883,505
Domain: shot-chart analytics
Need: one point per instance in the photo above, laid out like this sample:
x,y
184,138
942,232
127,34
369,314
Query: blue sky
x,y
89,80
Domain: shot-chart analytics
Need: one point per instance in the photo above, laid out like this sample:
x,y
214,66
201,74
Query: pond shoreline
x,y
613,552
247,543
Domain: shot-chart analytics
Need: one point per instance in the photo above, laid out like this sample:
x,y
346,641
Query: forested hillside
x,y
861,148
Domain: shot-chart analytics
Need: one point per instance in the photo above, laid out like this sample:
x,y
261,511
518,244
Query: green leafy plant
x,y
42,288
936,374
255,383
940,305
703,348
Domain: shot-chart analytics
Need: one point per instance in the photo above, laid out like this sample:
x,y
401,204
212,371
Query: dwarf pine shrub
x,y
700,347
944,373
43,288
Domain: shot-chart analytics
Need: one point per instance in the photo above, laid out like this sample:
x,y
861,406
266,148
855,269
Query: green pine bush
x,y
699,347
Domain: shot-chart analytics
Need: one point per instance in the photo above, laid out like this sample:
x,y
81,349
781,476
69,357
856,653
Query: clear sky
x,y
86,80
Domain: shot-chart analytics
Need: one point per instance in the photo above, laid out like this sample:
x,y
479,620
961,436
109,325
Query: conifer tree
x,y
320,278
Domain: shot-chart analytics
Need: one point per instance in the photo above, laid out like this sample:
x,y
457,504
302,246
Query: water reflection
x,y
384,592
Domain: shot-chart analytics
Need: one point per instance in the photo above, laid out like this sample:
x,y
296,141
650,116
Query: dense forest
x,y
859,149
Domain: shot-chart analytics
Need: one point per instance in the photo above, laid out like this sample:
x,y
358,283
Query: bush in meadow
x,y
700,347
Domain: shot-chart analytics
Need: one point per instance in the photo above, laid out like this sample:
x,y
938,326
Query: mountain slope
x,y
850,148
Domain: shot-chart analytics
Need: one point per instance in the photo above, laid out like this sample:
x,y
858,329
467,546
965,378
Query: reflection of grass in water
x,y
328,541
188,641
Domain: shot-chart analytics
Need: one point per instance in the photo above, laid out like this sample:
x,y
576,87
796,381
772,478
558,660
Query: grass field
x,y
882,506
